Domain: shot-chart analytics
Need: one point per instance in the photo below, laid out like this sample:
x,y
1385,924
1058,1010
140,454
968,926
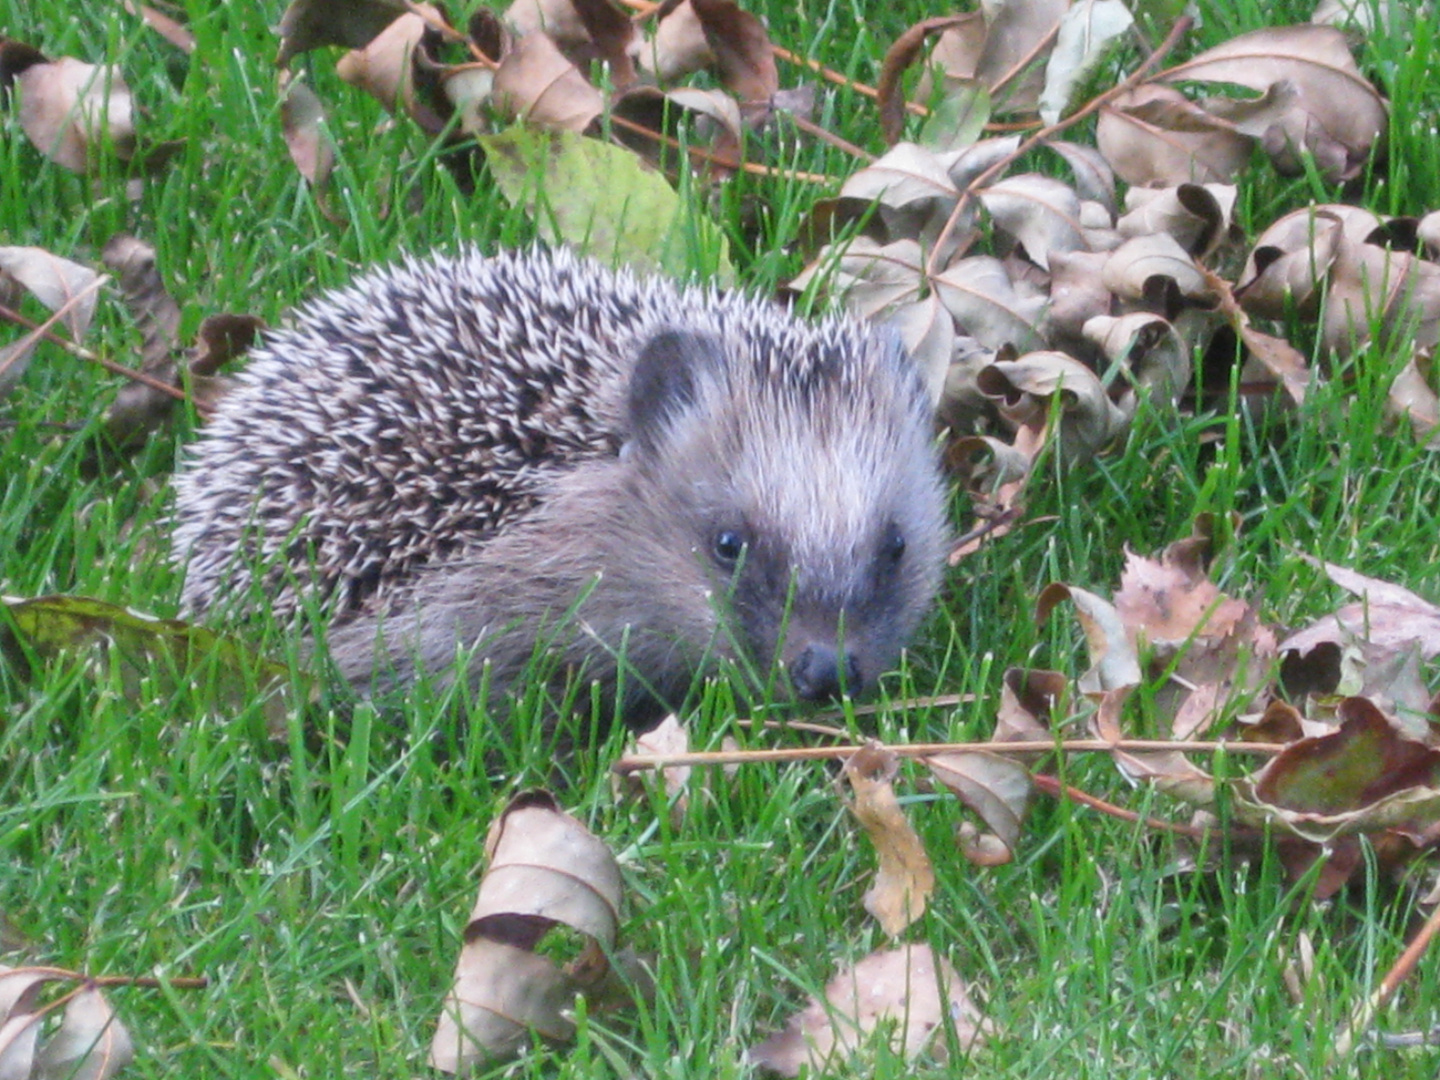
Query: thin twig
x,y
724,162
636,762
839,79
79,351
1051,786
1365,1014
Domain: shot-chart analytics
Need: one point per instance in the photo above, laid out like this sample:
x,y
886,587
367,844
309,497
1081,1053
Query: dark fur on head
x,y
747,488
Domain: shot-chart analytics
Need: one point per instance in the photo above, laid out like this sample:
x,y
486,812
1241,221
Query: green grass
x,y
321,883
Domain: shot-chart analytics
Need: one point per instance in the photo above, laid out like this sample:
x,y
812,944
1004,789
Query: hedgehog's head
x,y
796,478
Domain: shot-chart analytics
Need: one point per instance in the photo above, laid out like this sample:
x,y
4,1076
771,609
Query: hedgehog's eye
x,y
729,545
892,548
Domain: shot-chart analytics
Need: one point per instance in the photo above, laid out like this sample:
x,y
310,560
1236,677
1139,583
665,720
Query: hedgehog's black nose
x,y
816,676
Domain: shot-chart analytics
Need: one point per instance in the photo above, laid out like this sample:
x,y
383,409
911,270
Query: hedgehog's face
x,y
813,511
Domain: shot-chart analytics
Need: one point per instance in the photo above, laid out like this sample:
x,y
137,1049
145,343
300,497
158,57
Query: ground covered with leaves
x,y
1173,282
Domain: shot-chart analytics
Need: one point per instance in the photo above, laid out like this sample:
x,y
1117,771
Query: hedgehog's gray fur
x,y
492,452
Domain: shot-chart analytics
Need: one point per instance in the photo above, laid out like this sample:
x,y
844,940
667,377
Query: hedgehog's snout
x,y
822,673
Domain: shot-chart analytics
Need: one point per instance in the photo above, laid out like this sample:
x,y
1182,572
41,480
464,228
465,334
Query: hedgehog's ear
x,y
666,381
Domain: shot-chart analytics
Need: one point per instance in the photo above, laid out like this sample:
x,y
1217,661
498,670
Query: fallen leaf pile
x,y
1353,727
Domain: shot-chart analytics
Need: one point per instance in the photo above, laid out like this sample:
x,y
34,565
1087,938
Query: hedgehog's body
x,y
490,453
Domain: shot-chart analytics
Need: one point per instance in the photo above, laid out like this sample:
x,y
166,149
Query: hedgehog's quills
x,y
479,454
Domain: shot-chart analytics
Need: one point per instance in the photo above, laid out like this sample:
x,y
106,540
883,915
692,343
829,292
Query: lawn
x,y
320,882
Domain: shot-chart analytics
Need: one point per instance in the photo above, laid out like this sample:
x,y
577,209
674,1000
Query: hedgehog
x,y
467,462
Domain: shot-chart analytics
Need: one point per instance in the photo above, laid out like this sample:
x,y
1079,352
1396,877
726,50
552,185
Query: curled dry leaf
x,y
994,786
953,57
1333,104
1149,350
546,869
1155,136
1027,387
1030,701
1198,216
1412,396
311,24
909,986
744,60
90,1044
1114,664
1136,267
1364,777
678,46
905,878
1290,262
386,69
1383,295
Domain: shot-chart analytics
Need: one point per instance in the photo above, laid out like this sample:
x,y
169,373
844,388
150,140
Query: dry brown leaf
x,y
905,878
1198,216
1376,293
1290,262
546,869
536,84
994,786
1333,103
500,995
55,282
385,69
1026,388
1365,776
870,277
1040,212
668,737
1114,664
1077,295
988,306
910,986
1148,350
928,333
1134,269
302,119
1387,615
70,109
744,60
1094,178
90,1044
1412,396
1155,136
1030,700
1013,34
586,31
310,24
164,25
910,190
